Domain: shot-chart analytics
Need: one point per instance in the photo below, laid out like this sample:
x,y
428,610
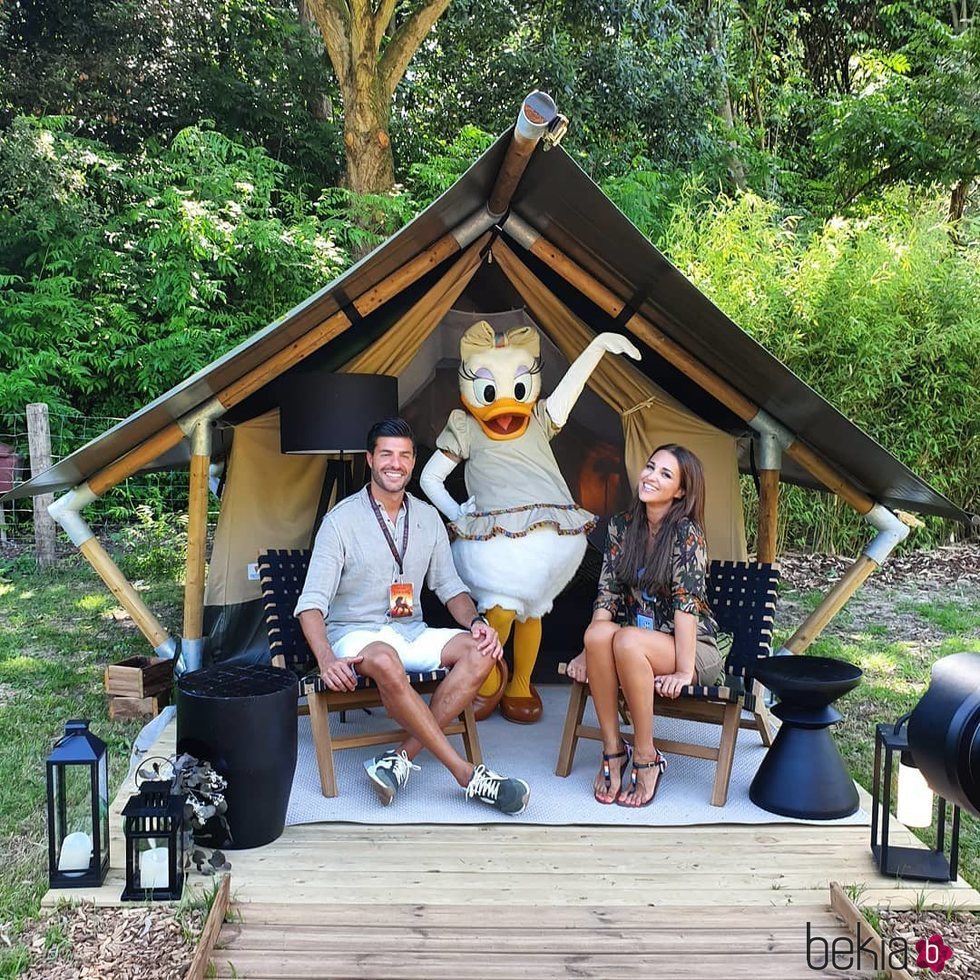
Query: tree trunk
x,y
367,110
957,200
368,73
716,43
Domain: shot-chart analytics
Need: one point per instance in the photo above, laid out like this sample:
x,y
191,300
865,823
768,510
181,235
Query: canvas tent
x,y
524,233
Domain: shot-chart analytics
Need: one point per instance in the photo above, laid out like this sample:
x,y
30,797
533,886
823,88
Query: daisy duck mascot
x,y
520,536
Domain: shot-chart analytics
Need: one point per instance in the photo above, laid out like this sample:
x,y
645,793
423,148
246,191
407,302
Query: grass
x,y
57,633
896,675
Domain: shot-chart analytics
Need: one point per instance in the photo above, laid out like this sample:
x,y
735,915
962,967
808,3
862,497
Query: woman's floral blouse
x,y
688,591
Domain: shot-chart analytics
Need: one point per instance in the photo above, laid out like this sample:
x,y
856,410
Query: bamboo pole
x,y
765,548
272,367
197,532
537,112
832,603
128,597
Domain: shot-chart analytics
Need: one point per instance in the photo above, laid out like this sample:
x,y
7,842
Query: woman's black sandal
x,y
660,763
626,754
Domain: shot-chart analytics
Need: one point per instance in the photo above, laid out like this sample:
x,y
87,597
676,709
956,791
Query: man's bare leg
x,y
469,668
403,703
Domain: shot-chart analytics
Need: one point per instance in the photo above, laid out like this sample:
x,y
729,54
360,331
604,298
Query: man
x,y
374,548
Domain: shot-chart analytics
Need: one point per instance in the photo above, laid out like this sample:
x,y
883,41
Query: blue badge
x,y
644,622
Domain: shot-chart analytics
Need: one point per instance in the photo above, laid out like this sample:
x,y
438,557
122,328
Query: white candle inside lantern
x,y
914,797
154,868
76,853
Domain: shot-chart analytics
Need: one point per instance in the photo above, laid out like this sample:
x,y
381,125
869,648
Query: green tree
x,y
128,72
121,277
914,114
629,74
370,45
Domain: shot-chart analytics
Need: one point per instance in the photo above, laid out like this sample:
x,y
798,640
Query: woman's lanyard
x,y
383,524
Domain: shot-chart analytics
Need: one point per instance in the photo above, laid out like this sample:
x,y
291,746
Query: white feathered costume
x,y
520,536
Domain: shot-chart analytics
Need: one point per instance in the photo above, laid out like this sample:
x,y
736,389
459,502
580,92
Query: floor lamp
x,y
330,414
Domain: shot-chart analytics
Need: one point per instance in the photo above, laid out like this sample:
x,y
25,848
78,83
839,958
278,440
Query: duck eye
x,y
484,390
520,390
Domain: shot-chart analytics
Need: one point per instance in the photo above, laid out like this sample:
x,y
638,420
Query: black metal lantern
x,y
153,824
78,809
915,808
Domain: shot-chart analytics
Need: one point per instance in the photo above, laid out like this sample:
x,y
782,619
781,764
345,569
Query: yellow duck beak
x,y
506,418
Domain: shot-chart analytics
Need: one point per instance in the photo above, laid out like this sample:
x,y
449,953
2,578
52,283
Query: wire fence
x,y
151,495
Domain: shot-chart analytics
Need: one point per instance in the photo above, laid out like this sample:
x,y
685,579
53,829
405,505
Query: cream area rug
x,y
530,752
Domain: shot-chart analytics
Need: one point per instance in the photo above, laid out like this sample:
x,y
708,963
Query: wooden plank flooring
x,y
279,942
364,901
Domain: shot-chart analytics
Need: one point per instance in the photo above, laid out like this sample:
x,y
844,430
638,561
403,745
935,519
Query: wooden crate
x,y
148,707
139,677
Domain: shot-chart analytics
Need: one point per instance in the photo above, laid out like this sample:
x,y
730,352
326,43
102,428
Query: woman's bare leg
x,y
640,655
604,685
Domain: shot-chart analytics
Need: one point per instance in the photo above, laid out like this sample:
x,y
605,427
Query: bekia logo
x,y
933,953
845,953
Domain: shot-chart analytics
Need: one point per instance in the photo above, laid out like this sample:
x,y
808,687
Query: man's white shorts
x,y
417,656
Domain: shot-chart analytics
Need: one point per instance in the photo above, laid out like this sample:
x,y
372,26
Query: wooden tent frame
x,y
771,439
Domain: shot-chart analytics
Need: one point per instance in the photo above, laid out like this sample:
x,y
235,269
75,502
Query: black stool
x,y
242,719
803,774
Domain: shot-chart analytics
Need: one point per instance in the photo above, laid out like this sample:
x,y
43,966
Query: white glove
x,y
433,480
561,401
468,507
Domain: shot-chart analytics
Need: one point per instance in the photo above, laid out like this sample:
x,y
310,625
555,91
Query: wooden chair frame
x,y
282,573
743,599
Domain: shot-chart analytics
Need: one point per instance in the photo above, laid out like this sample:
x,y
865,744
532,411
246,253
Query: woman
x,y
652,631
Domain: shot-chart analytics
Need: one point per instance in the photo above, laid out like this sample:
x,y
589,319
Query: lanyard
x,y
383,524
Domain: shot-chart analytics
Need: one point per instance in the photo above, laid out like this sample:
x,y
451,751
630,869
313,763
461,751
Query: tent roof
x,y
562,203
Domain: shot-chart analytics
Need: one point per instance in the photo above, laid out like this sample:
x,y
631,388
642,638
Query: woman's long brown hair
x,y
654,562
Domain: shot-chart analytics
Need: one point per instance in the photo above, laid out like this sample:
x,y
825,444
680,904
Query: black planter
x,y
242,719
803,775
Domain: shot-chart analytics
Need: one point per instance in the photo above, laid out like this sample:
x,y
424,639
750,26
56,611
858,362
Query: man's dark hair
x,y
393,428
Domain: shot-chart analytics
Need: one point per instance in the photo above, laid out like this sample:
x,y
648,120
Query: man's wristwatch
x,y
479,618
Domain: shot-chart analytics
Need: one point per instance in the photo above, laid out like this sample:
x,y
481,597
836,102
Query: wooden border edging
x,y
852,915
209,935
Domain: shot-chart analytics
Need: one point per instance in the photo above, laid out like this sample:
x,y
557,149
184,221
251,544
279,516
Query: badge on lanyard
x,y
401,597
644,622
401,601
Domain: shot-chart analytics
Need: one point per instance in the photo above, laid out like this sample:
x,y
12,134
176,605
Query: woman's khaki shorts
x,y
707,662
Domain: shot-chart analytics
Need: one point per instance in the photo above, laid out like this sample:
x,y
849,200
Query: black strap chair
x,y
742,596
282,573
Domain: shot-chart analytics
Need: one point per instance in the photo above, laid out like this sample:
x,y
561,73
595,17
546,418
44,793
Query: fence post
x,y
39,442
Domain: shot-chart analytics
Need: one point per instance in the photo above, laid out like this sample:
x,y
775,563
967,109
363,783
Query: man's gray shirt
x,y
352,567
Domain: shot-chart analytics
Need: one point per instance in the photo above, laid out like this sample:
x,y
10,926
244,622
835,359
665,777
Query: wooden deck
x,y
544,901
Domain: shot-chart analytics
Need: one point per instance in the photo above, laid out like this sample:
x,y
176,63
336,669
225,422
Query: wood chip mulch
x,y
950,565
82,942
960,931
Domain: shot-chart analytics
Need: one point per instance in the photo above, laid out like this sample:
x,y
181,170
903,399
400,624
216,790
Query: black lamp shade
x,y
332,413
78,809
944,731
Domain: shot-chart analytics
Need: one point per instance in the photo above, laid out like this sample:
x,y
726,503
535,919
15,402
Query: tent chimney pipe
x,y
537,113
